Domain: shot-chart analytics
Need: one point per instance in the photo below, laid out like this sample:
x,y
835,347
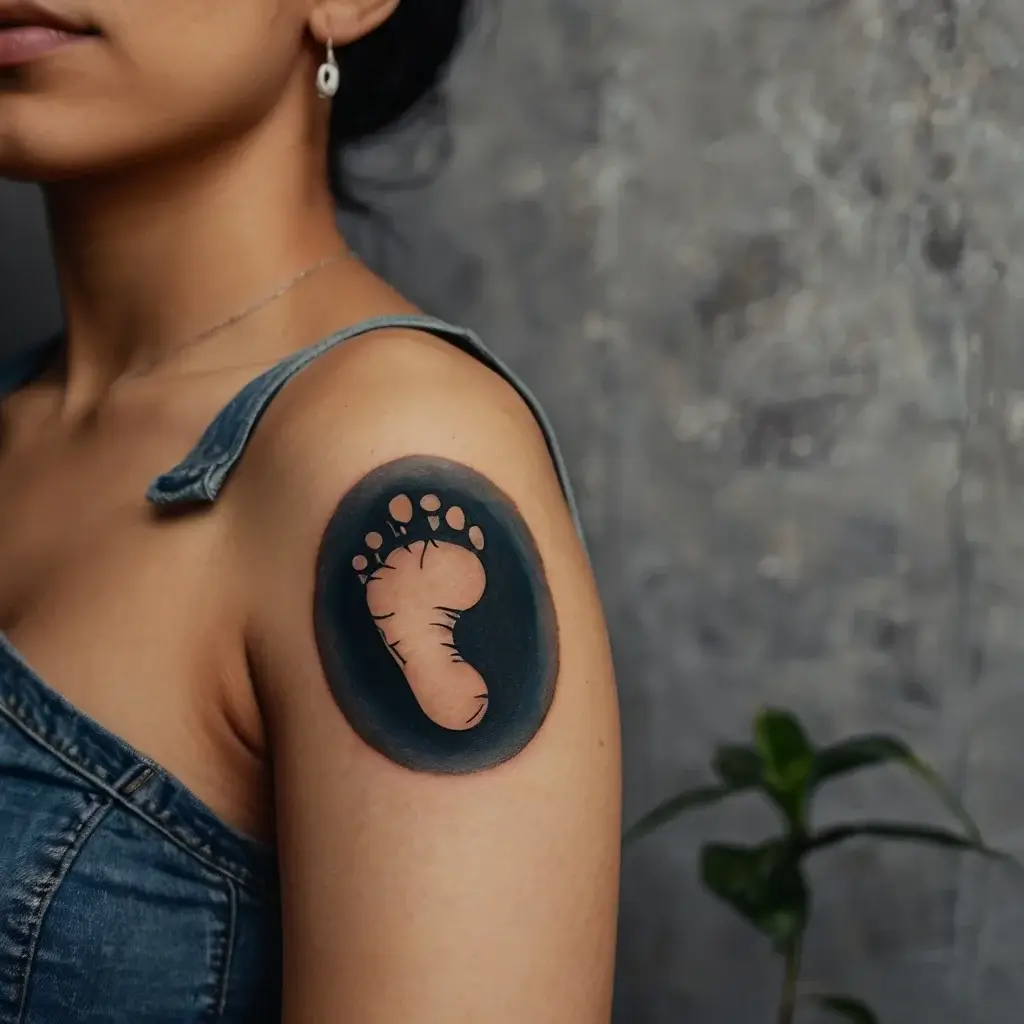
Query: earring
x,y
328,77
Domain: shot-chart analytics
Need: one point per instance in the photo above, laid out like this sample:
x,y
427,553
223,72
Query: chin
x,y
42,162
48,138
49,144
45,136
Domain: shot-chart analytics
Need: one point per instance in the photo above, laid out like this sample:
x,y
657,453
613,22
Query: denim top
x,y
123,897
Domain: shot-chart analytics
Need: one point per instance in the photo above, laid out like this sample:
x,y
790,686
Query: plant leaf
x,y
782,742
788,759
670,809
764,884
874,750
739,766
849,1009
925,834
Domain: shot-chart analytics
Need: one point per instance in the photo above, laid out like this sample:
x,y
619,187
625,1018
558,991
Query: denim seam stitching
x,y
239,875
86,827
225,978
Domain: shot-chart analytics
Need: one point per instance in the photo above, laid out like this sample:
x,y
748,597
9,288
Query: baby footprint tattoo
x,y
421,571
433,617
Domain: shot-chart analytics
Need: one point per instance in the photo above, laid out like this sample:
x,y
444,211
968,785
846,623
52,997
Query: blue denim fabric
x,y
201,475
123,898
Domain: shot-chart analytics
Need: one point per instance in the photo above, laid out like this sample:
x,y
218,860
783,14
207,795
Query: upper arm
x,y
436,678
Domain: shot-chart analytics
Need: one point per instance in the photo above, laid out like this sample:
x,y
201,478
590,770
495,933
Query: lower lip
x,y
21,45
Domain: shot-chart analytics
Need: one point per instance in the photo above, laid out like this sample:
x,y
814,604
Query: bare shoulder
x,y
435,676
384,389
399,451
396,395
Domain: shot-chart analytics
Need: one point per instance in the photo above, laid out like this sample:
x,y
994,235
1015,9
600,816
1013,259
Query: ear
x,y
345,21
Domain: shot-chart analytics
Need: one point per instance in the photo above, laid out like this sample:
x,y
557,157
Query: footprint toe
x,y
374,541
430,503
400,508
359,563
455,518
476,537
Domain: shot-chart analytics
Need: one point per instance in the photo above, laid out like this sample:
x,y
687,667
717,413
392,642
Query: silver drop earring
x,y
328,77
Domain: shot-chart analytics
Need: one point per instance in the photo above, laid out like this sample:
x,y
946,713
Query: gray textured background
x,y
759,259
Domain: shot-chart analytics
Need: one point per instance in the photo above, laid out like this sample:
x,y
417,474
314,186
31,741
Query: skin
x,y
182,183
434,618
416,594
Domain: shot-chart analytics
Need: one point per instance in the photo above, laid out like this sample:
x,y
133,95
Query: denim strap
x,y
201,475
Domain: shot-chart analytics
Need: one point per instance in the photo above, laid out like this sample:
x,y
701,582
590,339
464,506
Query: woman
x,y
306,706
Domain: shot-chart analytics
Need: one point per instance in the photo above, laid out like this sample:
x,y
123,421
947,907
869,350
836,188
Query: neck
x,y
150,257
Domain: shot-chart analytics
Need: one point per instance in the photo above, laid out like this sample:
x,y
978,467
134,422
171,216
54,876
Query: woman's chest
x,y
122,898
135,619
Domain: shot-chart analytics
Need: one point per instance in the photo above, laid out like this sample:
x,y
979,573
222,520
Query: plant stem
x,y
787,1000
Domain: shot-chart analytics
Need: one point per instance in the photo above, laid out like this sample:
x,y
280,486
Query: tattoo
x,y
434,621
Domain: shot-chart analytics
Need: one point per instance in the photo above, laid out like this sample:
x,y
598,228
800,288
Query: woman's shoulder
x,y
430,660
389,394
398,375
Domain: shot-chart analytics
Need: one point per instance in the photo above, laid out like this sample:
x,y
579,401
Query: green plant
x,y
765,883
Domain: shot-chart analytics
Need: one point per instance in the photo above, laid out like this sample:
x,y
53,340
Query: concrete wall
x,y
759,258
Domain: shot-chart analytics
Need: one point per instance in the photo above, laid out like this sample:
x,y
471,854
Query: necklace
x,y
248,311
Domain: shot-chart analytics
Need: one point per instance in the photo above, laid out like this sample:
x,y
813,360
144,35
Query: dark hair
x,y
389,74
